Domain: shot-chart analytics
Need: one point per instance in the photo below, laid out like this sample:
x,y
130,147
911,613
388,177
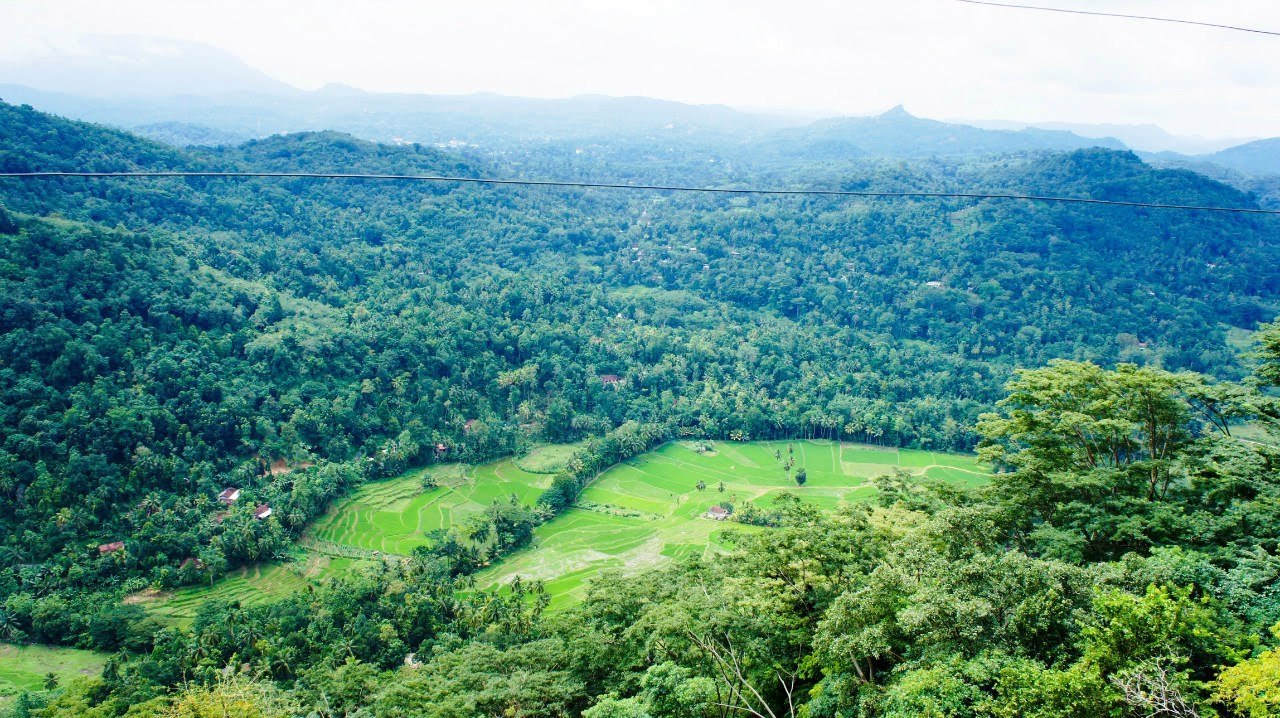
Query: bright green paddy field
x,y
637,514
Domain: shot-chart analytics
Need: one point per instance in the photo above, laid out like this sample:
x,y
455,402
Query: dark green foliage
x,y
7,223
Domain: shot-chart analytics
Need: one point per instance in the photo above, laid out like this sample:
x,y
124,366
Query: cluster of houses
x,y
231,495
226,497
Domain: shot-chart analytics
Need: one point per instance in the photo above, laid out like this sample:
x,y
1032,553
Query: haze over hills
x,y
1143,138
496,123
1258,157
123,66
479,118
898,133
186,93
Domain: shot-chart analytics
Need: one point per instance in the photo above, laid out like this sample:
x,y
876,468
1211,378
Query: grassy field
x,y
23,668
648,510
547,459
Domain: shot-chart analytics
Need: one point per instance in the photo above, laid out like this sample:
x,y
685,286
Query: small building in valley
x,y
610,379
229,496
262,511
718,513
112,547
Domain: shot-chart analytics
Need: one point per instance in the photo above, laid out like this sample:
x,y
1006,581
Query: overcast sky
x,y
940,58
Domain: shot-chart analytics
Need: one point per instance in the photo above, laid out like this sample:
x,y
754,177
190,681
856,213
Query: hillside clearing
x,y
25,668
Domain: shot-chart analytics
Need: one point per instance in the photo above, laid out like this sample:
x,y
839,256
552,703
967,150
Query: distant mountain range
x,y
897,133
118,66
1258,157
1142,138
188,94
480,118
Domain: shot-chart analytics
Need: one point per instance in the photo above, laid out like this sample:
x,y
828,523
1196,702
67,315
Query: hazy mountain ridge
x,y
1143,137
493,120
898,133
1257,157
115,66
186,93
497,121
187,134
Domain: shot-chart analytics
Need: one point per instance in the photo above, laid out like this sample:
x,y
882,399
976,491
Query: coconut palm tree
x,y
8,629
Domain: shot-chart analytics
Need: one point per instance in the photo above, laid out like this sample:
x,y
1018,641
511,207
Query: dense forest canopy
x,y
162,340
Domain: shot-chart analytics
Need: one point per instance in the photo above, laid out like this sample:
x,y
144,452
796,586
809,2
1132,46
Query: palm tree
x,y
7,627
149,504
346,643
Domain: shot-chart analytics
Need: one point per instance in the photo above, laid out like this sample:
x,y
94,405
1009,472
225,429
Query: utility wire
x,y
642,187
1116,14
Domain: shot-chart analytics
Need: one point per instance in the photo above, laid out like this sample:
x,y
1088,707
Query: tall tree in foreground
x,y
1097,462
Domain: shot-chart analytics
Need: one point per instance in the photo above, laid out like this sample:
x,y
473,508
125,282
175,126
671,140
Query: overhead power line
x,y
640,187
1123,15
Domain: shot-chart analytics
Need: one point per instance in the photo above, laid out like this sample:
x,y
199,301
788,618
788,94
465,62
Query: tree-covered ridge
x,y
999,271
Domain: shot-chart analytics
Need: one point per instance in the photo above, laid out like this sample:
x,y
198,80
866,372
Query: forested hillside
x,y
164,339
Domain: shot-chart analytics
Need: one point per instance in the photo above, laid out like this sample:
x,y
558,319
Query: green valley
x,y
636,515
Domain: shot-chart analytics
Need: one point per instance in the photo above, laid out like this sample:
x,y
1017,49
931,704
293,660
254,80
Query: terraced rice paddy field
x,y
648,510
249,586
396,516
379,521
640,513
23,668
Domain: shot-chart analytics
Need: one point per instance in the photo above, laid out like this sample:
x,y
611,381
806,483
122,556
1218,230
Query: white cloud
x,y
940,58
